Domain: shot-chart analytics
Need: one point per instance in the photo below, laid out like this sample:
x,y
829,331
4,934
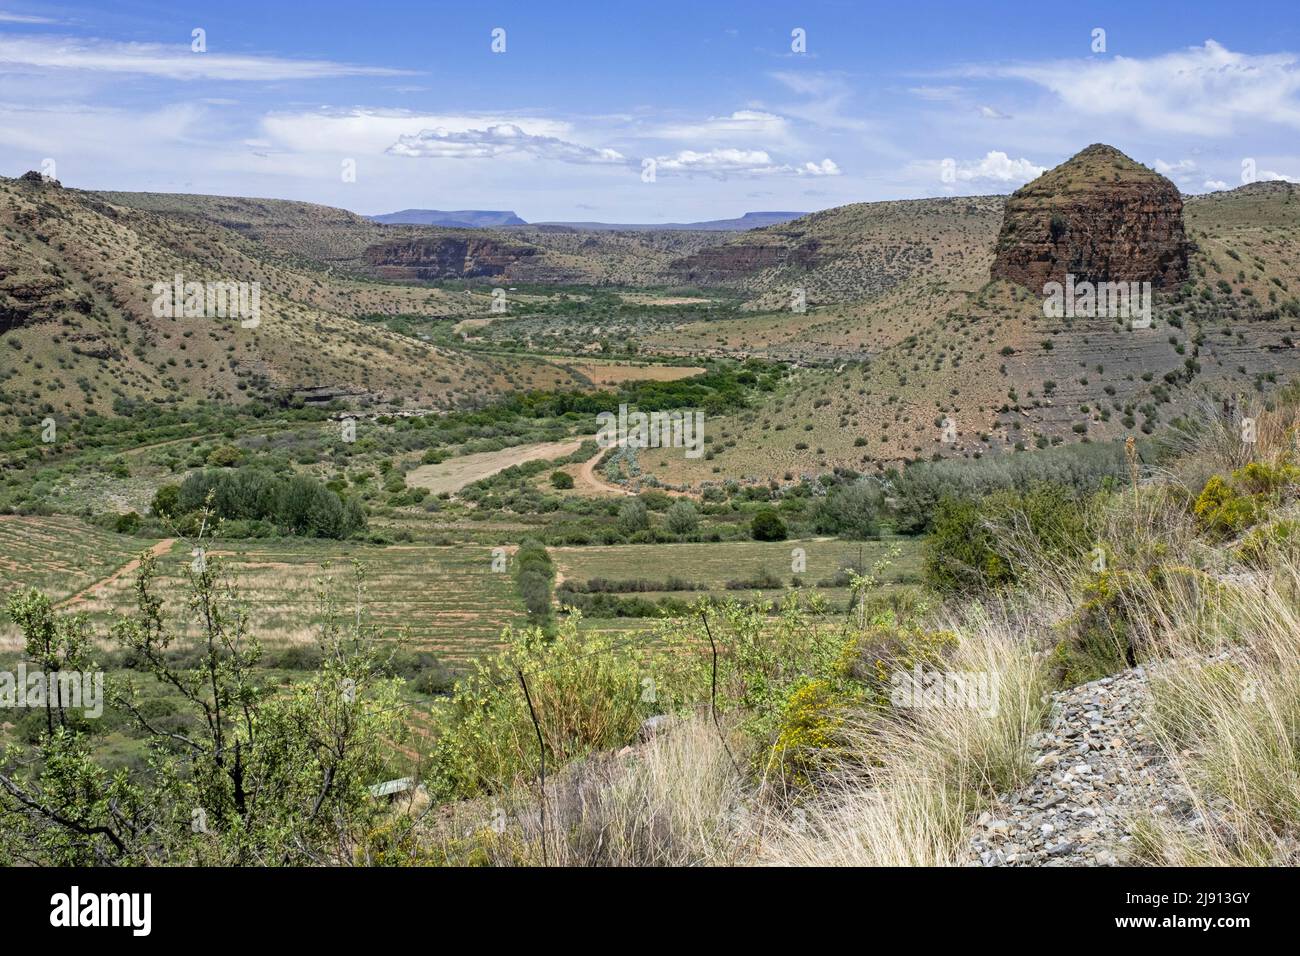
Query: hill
x,y
80,278
1100,217
362,247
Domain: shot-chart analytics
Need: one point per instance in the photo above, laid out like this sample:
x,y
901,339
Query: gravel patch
x,y
1096,769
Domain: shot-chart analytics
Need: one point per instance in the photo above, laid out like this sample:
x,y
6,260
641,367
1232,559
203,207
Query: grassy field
x,y
447,599
715,564
59,555
455,474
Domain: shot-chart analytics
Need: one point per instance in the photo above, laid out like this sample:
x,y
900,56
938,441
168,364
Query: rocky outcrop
x,y
32,176
27,298
446,257
721,264
1100,217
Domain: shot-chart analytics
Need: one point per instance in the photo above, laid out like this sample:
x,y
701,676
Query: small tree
x,y
562,480
245,774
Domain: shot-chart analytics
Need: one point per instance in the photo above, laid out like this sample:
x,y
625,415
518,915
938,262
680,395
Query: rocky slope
x,y
1098,216
447,257
849,253
81,331
1097,772
363,247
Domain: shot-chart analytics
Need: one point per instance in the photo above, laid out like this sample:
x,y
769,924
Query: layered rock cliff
x,y
1100,217
446,257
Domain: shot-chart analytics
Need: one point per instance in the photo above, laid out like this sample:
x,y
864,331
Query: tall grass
x,y
675,800
935,767
1226,713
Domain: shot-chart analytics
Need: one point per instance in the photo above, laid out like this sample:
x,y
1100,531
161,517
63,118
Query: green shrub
x,y
589,694
633,517
682,518
534,576
852,510
225,456
299,504
128,523
1096,641
808,734
767,525
1081,468
1226,508
166,501
561,480
980,543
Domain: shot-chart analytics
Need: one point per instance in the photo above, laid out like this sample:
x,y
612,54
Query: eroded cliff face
x,y
1100,217
446,257
736,261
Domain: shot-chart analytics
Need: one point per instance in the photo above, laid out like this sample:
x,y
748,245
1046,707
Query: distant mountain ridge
x,y
459,218
490,218
750,220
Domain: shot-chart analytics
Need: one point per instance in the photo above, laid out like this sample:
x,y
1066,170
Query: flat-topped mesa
x,y
1100,217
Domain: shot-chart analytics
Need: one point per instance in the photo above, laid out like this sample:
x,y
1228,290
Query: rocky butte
x,y
1100,217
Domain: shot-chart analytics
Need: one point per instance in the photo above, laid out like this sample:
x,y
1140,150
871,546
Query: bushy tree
x,y
682,518
987,542
166,501
299,504
852,510
767,525
633,517
535,577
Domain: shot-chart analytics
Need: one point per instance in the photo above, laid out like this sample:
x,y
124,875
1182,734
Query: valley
x,y
396,475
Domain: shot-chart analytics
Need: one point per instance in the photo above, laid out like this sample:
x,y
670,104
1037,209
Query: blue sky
x,y
382,106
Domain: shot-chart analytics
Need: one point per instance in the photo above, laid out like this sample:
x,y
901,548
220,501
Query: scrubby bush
x,y
1082,468
988,542
633,517
166,501
1227,507
588,695
852,510
534,576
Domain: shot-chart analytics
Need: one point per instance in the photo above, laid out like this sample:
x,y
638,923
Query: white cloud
x,y
71,132
825,103
6,17
504,139
997,166
1175,169
989,112
1267,175
1207,90
747,123
24,54
1215,184
826,167
739,162
809,84
937,93
373,131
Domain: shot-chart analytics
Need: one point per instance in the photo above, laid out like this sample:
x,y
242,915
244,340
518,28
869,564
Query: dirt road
x,y
158,550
